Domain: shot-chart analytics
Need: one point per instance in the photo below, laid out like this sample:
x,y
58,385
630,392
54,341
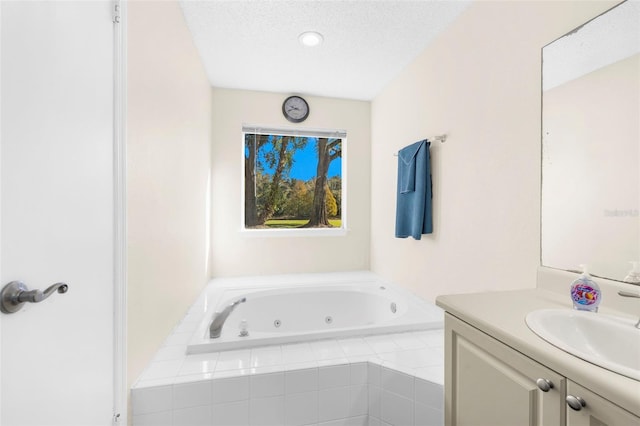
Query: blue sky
x,y
306,162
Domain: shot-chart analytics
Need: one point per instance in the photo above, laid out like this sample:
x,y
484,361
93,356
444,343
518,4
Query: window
x,y
293,180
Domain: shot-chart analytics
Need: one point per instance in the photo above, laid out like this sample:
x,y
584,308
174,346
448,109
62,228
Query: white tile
x,y
178,339
327,349
230,414
396,410
199,364
439,351
266,411
301,408
141,384
434,374
350,421
168,353
301,366
226,374
355,347
234,360
333,376
401,368
305,380
333,404
431,338
151,400
155,419
374,372
373,421
358,400
357,421
396,382
263,385
409,341
270,355
375,401
428,393
415,358
382,344
192,394
192,378
361,358
231,389
332,362
358,373
297,353
162,369
428,416
268,369
193,416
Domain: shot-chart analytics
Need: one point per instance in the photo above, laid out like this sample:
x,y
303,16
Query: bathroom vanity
x,y
499,372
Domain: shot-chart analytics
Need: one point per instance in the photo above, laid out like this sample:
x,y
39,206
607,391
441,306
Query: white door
x,y
57,210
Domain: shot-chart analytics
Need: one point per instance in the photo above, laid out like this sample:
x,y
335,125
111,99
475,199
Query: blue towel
x,y
413,206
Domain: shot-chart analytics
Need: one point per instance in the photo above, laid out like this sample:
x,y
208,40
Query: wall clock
x,y
295,109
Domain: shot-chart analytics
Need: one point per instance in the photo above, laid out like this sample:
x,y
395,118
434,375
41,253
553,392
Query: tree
x,y
335,185
252,143
299,201
268,160
328,150
280,158
330,203
277,157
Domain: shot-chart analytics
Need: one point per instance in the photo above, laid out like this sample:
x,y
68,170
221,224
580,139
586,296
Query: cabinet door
x,y
488,383
597,411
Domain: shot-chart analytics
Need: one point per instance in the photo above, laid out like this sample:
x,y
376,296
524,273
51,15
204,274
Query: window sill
x,y
307,232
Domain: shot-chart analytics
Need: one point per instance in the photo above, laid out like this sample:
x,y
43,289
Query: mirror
x,y
591,145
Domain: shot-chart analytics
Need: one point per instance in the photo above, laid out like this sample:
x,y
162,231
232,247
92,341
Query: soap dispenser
x,y
634,274
585,293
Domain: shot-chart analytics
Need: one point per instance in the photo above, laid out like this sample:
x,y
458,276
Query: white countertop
x,y
502,315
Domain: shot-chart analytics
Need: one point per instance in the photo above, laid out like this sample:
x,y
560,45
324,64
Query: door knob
x,y
15,294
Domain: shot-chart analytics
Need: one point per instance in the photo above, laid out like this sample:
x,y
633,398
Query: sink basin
x,y
607,341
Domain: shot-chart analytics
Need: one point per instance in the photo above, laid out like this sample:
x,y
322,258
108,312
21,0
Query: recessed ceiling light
x,y
311,38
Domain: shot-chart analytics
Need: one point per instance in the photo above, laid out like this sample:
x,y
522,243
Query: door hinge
x,y
116,13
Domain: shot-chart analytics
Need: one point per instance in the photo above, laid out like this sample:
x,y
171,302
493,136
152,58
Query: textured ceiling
x,y
253,44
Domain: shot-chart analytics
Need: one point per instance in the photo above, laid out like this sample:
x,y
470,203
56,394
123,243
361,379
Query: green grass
x,y
296,223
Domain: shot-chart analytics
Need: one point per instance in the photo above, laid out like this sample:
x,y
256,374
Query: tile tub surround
x,y
392,379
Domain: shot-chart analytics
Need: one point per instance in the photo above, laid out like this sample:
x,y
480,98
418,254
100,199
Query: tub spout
x,y
219,318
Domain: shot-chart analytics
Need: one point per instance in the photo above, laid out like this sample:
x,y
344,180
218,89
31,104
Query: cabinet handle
x,y
575,402
544,384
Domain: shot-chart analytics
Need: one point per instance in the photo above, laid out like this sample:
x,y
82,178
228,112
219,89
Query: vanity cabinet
x,y
487,383
598,411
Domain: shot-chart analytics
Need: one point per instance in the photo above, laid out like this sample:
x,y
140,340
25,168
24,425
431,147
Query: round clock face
x,y
295,109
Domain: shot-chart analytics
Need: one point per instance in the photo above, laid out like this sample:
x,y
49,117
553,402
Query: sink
x,y
607,341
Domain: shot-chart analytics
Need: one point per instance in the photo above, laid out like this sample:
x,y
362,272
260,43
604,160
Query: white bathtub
x,y
298,308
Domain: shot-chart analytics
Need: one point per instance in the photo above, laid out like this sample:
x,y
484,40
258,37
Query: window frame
x,y
295,232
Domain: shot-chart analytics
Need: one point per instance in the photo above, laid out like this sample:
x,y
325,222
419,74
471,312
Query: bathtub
x,y
299,308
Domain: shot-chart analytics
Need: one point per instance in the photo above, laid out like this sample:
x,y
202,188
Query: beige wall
x,y
479,82
168,166
236,254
